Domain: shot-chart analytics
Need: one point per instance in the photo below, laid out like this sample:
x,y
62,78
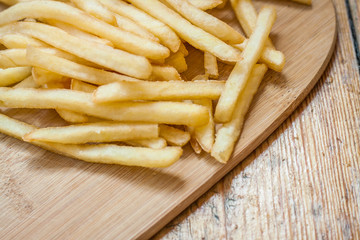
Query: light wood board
x,y
44,195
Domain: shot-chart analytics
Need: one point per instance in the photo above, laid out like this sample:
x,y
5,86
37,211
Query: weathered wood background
x,y
303,182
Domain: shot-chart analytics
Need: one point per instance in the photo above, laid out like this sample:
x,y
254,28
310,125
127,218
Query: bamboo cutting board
x,y
47,196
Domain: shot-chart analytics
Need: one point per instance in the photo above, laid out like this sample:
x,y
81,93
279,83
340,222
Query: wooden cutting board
x,y
47,196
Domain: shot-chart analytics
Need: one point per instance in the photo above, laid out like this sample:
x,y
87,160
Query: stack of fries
x,y
112,69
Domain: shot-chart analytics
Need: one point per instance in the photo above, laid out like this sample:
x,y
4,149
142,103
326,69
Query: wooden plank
x,y
304,180
45,195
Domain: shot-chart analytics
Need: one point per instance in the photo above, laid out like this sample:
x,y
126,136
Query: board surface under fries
x,y
126,61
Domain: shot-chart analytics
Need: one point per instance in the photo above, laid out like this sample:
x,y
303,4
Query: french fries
x,y
210,64
72,117
156,143
240,74
246,14
166,35
164,73
205,135
227,135
13,58
105,67
190,33
78,33
174,136
13,75
171,90
94,132
82,86
205,5
42,76
177,113
115,59
96,9
70,69
68,14
130,26
20,41
177,60
27,83
206,21
101,153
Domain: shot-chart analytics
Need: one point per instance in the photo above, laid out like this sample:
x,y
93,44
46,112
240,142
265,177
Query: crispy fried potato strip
x,y
190,33
145,90
166,35
228,134
178,113
100,153
71,15
241,72
114,59
94,132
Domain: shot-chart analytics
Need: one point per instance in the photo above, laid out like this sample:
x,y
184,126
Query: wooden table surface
x,y
304,180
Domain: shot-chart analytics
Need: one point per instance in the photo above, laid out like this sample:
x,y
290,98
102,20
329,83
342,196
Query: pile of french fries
x,y
113,70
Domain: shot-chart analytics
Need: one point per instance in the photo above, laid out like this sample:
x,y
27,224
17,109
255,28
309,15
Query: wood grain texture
x,y
44,195
303,182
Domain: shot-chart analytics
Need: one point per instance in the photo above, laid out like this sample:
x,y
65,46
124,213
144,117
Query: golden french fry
x,y
146,90
13,75
183,50
130,26
174,136
72,117
210,64
273,58
246,14
195,145
71,15
241,72
166,35
72,30
164,73
177,60
94,132
27,83
205,5
43,76
82,86
206,21
70,69
156,143
20,41
115,59
13,58
228,134
101,153
190,33
204,135
177,113
96,9
17,57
